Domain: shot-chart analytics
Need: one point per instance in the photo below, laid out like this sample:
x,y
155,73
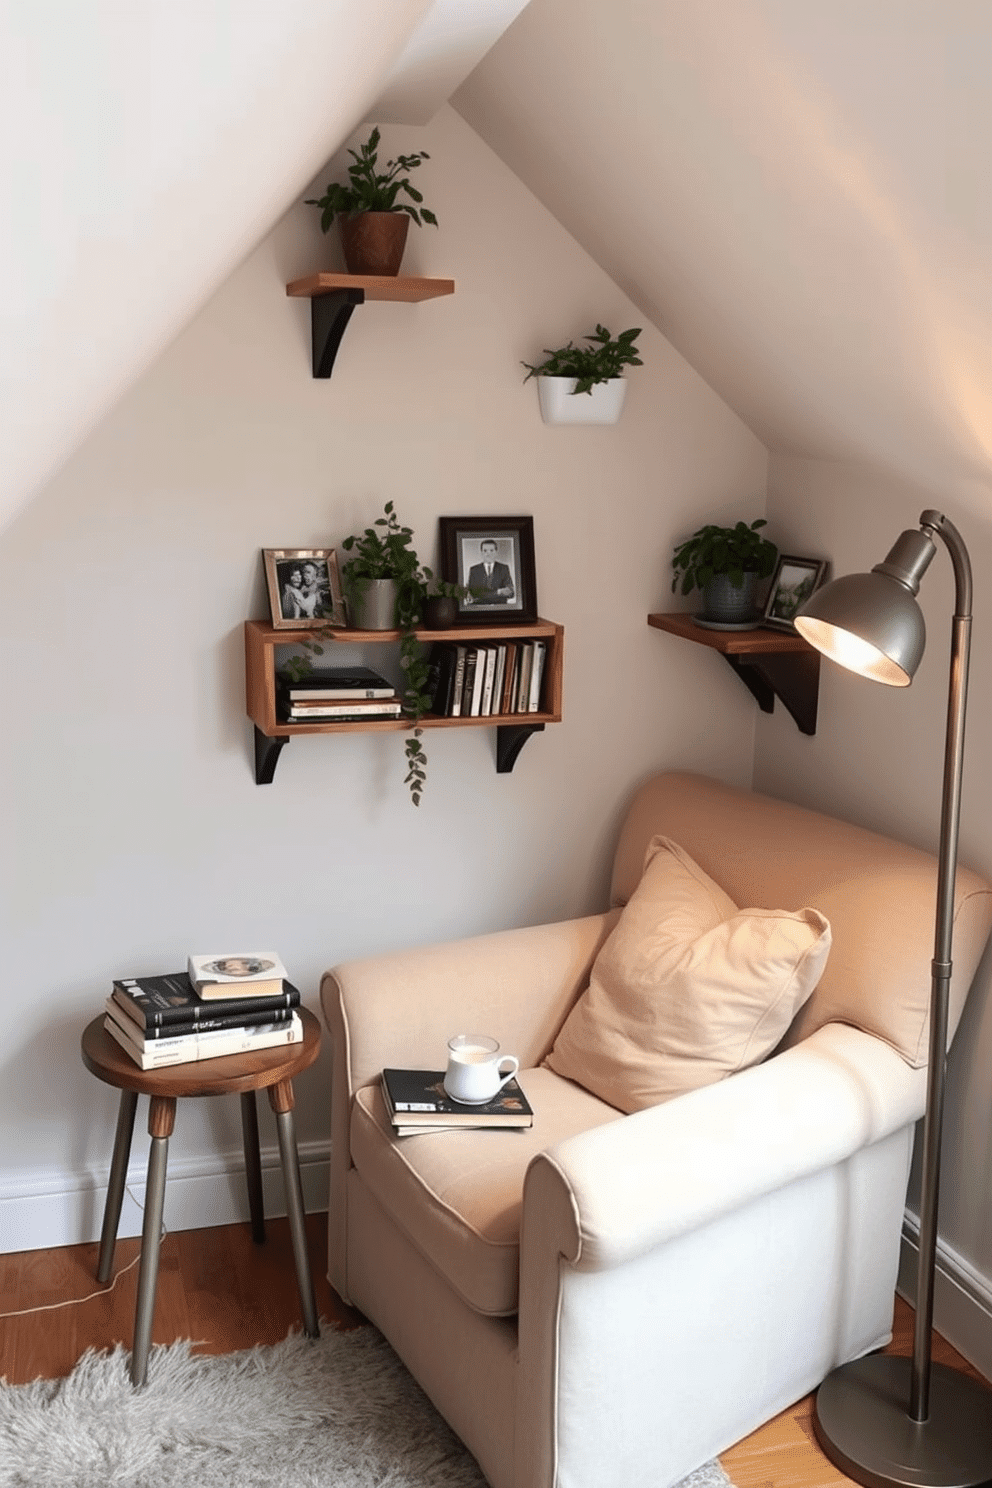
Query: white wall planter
x,y
559,405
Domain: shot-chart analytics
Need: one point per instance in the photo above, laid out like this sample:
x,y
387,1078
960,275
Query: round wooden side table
x,y
269,1069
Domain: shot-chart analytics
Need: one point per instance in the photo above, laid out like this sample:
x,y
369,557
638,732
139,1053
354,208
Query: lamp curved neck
x,y
937,525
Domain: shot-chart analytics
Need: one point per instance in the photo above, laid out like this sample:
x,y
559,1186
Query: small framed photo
x,y
793,581
492,557
304,588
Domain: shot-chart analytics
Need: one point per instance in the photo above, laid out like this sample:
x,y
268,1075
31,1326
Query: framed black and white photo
x,y
492,557
793,581
304,588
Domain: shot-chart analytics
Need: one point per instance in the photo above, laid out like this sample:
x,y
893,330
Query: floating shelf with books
x,y
333,297
771,664
512,729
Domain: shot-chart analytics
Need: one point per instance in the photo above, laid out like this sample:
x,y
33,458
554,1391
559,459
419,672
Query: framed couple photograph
x,y
493,558
304,588
793,581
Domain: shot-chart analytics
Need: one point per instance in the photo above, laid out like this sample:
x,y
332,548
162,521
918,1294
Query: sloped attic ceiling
x,y
146,149
796,192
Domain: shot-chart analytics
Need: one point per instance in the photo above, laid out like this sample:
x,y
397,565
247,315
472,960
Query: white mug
x,y
476,1069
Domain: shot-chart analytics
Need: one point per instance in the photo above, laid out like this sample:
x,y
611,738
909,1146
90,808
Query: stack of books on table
x,y
222,1004
490,679
352,694
417,1102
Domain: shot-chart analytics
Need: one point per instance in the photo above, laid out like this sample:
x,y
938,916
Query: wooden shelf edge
x,y
739,642
405,288
467,634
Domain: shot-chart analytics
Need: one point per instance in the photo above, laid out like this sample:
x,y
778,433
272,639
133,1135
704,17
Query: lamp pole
x,y
950,816
891,1422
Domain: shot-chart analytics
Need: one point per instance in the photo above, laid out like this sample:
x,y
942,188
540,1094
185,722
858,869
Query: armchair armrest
x,y
517,985
629,1186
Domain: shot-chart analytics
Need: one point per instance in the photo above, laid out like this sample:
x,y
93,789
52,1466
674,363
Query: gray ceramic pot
x,y
721,601
373,607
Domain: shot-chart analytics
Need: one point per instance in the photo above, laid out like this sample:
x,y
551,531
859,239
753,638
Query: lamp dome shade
x,y
868,623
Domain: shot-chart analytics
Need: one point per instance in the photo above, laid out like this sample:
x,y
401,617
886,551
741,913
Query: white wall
x,y
877,759
133,831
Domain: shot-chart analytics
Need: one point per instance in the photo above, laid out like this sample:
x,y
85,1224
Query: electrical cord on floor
x,y
103,1291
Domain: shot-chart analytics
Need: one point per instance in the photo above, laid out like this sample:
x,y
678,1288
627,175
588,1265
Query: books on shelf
x,y
418,1102
171,1001
336,683
236,974
362,710
489,679
190,1048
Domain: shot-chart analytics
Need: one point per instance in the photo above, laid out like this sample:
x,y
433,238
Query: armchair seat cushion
x,y
457,1195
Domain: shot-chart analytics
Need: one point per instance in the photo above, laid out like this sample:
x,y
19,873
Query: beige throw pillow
x,y
688,988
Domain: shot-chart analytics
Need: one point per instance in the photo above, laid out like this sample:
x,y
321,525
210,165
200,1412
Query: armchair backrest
x,y
878,894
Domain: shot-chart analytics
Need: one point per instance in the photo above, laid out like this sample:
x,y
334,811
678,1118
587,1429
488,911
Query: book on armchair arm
x,y
417,1101
161,1001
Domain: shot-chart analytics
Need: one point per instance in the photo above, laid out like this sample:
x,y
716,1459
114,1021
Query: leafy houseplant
x,y
384,551
374,223
603,361
717,557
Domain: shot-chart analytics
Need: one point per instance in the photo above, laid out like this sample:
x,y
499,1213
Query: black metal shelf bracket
x,y
329,315
267,752
510,739
791,676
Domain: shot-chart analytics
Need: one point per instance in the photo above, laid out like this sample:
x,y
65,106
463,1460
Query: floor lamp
x,y
886,1420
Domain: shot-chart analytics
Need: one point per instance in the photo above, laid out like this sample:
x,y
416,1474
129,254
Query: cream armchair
x,y
608,1300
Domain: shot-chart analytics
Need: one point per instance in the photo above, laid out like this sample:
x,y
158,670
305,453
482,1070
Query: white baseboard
x,y
962,1297
67,1209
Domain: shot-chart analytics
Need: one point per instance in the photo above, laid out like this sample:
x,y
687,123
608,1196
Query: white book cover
x,y
193,1047
486,705
236,973
536,674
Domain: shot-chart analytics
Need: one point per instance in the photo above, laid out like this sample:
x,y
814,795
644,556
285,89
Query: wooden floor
x,y
219,1288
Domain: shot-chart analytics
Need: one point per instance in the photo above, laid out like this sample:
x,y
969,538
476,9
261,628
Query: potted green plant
x,y
374,223
596,371
725,564
387,558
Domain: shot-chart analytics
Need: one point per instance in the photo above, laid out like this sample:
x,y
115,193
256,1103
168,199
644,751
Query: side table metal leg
x,y
161,1120
253,1165
281,1101
115,1188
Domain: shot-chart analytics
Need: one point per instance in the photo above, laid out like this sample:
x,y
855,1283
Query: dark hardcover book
x,y
417,1098
158,1001
337,682
312,716
441,677
129,1020
468,686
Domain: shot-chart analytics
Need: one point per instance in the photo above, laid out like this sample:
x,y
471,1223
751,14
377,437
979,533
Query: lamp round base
x,y
861,1419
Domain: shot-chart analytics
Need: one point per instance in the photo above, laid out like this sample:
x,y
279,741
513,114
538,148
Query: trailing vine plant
x,y
389,554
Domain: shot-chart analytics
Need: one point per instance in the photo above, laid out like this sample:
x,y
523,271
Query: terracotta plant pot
x,y
373,242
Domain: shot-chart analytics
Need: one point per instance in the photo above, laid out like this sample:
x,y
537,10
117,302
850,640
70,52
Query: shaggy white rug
x,y
339,1413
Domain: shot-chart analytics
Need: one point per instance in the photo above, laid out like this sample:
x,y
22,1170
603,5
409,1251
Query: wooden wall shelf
x,y
512,729
771,664
334,296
